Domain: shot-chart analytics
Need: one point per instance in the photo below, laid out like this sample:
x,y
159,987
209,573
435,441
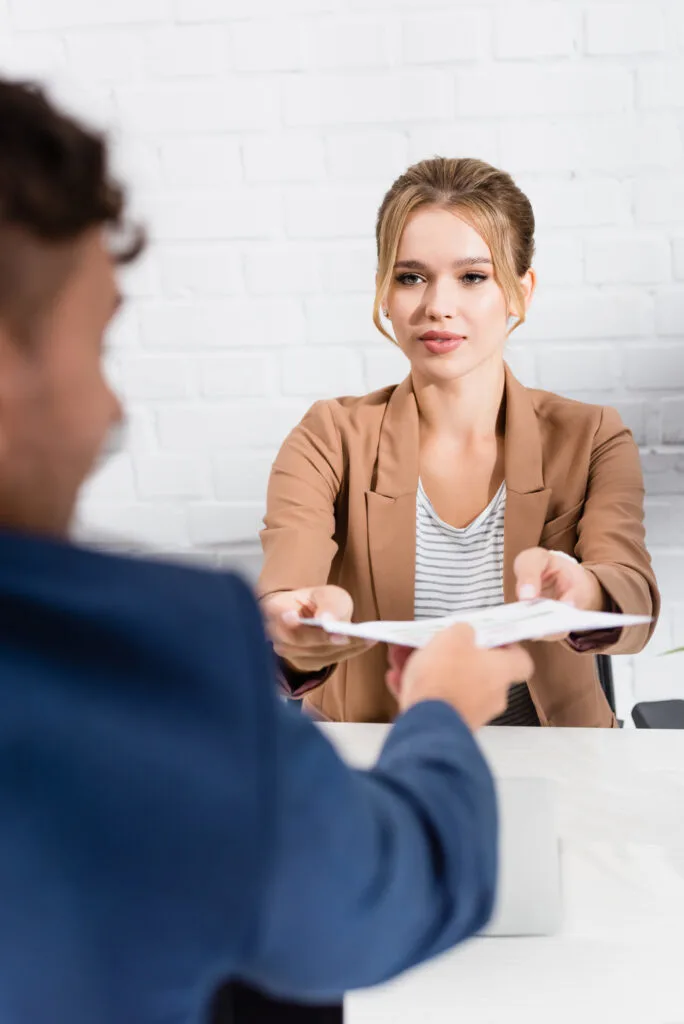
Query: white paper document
x,y
494,627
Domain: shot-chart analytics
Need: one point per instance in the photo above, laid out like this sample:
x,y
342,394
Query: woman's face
x,y
448,313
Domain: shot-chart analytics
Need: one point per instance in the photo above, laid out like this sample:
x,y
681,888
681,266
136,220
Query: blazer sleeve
x,y
299,525
611,537
373,872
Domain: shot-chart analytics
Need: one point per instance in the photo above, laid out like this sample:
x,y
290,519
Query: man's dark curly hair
x,y
55,185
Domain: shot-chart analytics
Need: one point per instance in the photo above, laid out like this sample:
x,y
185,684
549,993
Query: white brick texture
x,y
628,29
258,137
323,372
628,259
524,31
44,15
462,36
214,160
171,477
188,50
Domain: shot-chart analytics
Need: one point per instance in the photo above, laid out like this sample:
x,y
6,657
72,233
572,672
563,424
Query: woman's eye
x,y
409,279
473,278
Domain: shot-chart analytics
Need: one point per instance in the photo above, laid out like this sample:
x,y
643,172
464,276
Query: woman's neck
x,y
470,408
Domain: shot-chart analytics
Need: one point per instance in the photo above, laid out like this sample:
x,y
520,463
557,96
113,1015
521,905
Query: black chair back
x,y
605,674
659,714
235,1003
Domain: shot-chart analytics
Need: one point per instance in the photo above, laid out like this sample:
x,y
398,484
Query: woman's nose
x,y
440,304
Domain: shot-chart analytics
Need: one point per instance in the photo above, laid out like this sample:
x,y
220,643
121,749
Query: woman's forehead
x,y
433,233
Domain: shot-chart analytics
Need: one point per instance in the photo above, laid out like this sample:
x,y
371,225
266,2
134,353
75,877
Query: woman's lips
x,y
441,342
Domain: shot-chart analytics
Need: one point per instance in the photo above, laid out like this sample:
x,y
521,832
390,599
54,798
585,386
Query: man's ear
x,y
8,373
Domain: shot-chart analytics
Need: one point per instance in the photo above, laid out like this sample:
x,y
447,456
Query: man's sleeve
x,y
371,872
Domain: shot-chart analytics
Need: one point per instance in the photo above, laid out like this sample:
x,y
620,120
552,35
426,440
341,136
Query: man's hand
x,y
451,668
555,575
304,648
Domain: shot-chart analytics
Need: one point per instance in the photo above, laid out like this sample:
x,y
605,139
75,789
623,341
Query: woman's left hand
x,y
555,575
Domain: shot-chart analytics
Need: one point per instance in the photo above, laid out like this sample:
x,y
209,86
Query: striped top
x,y
462,568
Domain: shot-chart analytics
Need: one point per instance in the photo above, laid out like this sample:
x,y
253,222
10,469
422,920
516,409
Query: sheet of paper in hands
x,y
494,627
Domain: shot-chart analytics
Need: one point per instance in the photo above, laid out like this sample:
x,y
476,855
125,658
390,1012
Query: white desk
x,y
620,956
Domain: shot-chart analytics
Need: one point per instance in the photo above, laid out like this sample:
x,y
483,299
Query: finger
x,y
393,682
295,634
291,617
307,610
560,583
328,646
514,662
312,660
458,635
462,632
332,601
529,568
567,594
398,656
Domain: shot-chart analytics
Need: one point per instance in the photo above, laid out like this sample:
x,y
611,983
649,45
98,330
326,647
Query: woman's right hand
x,y
305,648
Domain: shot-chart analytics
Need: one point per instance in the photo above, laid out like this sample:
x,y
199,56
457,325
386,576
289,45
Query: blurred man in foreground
x,y
166,823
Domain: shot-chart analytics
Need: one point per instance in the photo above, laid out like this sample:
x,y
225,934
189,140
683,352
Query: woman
x,y
459,487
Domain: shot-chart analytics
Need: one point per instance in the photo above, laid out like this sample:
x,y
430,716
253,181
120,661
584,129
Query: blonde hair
x,y
489,200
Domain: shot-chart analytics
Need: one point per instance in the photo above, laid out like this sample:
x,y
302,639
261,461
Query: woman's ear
x,y
528,283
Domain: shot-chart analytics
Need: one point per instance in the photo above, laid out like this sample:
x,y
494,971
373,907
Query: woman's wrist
x,y
598,600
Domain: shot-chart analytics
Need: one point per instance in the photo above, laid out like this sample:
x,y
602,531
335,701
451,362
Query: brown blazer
x,y
342,509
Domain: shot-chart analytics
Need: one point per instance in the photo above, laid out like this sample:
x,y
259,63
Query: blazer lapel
x,y
391,507
527,498
391,504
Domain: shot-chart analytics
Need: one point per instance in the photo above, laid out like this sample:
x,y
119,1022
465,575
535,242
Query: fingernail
x,y
527,592
290,618
340,641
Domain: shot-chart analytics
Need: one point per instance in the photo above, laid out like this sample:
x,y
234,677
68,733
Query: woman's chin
x,y
449,366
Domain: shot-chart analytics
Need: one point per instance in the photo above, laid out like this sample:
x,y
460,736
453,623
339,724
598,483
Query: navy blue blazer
x,y
168,824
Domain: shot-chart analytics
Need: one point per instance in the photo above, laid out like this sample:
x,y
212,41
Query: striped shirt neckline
x,y
458,568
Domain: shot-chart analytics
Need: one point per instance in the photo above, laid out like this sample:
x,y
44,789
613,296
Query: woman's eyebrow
x,y
410,264
468,261
471,261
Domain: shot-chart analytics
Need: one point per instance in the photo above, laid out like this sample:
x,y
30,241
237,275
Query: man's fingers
x,y
529,568
398,656
515,663
458,635
393,682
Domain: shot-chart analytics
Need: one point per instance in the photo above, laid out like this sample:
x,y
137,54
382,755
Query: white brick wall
x,y
259,137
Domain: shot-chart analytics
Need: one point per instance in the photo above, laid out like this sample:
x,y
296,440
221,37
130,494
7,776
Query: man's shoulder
x,y
157,608
185,580
189,601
